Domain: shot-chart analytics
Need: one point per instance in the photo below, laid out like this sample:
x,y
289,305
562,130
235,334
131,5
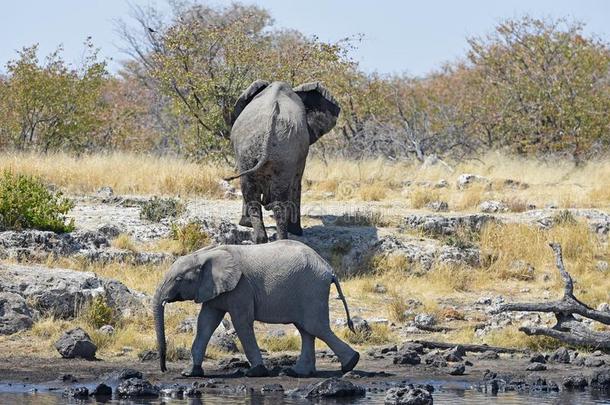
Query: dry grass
x,y
420,197
280,343
125,173
125,242
378,335
557,181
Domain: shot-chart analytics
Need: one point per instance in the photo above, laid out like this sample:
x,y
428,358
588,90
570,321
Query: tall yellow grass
x,y
558,181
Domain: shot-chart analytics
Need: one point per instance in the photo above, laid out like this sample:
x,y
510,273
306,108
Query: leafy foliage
x,y
51,106
204,57
190,237
98,313
25,202
157,209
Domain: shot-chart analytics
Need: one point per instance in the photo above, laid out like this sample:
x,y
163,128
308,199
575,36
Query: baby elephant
x,y
279,282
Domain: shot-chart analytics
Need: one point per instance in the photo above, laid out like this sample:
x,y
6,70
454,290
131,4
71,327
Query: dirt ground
x,y
47,372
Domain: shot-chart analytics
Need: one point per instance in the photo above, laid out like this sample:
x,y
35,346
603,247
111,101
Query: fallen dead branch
x,y
467,347
568,328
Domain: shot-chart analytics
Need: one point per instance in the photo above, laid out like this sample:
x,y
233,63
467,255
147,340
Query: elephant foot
x,y
295,229
257,371
196,371
349,366
245,221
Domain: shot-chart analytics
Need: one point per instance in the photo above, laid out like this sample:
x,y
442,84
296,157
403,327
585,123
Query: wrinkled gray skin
x,y
272,130
279,282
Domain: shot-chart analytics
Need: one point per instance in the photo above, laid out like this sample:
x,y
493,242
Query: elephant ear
x,y
219,274
321,108
247,96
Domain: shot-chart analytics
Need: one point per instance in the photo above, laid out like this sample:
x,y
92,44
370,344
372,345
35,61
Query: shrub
x,y
157,209
361,218
97,313
25,202
190,237
124,241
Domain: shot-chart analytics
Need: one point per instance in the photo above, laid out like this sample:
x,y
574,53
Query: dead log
x,y
467,347
568,328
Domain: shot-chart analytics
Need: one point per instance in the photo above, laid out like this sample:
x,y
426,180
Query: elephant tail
x,y
350,324
265,156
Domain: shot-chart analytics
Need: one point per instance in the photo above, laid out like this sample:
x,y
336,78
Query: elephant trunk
x,y
159,314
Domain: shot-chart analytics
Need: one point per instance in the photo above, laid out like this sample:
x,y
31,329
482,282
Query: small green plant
x,y
157,209
190,237
98,313
361,218
26,203
564,217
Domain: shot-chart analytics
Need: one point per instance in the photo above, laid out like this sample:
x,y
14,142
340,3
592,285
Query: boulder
x,y
455,354
467,179
101,390
224,341
456,369
424,320
536,367
107,330
15,315
61,293
331,388
408,396
438,206
407,356
441,225
538,358
561,355
601,379
76,392
148,355
574,382
361,325
137,388
594,362
493,206
76,343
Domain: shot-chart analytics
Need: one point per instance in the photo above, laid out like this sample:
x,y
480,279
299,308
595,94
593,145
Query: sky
x,y
413,37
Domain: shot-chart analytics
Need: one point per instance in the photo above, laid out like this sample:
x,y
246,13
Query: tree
x,y
546,82
204,57
52,105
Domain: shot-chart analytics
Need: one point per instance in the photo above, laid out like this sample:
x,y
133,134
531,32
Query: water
x,y
444,394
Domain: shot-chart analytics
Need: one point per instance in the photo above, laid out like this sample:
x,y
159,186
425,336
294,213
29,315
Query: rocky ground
x,y
348,234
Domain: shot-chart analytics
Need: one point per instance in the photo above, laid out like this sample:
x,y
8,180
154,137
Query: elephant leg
x,y
347,356
245,333
281,213
254,210
306,363
245,218
294,220
207,322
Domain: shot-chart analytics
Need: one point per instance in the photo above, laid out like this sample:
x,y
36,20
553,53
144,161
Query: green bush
x,y
158,208
190,237
97,313
25,202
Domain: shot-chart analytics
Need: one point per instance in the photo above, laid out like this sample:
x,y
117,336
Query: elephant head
x,y
321,109
200,276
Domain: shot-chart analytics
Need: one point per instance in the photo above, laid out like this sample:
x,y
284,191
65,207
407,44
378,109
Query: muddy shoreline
x,y
381,373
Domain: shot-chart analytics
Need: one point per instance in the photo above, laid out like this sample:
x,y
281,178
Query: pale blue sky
x,y
399,36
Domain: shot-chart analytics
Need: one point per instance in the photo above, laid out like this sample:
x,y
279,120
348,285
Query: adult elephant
x,y
273,126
